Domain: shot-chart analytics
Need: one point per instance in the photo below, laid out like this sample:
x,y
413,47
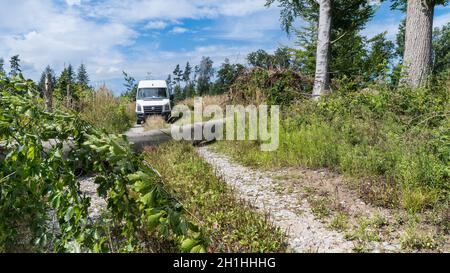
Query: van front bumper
x,y
143,116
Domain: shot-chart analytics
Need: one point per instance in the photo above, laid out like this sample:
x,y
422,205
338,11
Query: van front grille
x,y
153,109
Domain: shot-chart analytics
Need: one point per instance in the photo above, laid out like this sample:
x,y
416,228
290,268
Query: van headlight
x,y
167,107
139,108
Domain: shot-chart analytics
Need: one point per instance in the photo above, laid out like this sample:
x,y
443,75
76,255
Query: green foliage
x,y
41,85
415,239
178,93
15,68
178,75
441,50
104,111
226,75
204,73
272,87
82,78
260,59
65,83
131,87
281,59
187,73
353,57
398,140
231,225
2,66
402,4
38,177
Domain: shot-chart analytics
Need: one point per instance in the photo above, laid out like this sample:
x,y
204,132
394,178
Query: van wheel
x,y
139,122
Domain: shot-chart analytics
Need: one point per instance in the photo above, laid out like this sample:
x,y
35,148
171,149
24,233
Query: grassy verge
x,y
395,143
232,225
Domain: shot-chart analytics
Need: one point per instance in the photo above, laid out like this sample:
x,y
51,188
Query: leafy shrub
x,y
104,111
273,87
38,176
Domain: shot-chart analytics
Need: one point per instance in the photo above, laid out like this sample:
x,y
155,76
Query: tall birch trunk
x,y
418,42
322,77
48,93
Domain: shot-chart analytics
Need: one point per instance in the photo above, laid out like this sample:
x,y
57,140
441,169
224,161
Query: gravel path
x,y
305,232
98,204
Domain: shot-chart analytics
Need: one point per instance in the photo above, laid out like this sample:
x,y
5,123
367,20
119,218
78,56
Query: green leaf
x,y
153,220
69,214
188,244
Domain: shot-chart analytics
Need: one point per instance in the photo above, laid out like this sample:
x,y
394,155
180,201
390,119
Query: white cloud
x,y
138,10
156,25
57,37
179,30
104,34
73,2
441,20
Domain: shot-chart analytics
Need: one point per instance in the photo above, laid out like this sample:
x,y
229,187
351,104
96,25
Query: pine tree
x,y
187,73
41,85
2,68
82,77
15,66
378,58
205,73
66,84
178,93
177,75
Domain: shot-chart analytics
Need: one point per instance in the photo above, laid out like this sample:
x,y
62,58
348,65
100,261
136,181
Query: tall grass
x,y
232,225
103,110
219,100
396,143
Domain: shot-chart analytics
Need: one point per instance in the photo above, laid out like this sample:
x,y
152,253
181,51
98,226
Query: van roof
x,y
152,84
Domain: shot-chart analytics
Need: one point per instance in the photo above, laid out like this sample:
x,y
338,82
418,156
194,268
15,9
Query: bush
x,y
104,111
273,87
41,161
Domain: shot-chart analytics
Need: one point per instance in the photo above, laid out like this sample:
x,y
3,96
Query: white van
x,y
152,98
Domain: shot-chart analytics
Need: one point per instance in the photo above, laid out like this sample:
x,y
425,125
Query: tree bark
x,y
48,93
322,76
418,42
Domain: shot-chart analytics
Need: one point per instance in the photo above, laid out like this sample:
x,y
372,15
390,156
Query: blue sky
x,y
148,36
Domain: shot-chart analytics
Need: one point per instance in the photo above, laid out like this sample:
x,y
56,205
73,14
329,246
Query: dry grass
x,y
105,111
155,123
220,100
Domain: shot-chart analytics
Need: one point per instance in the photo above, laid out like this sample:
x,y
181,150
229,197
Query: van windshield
x,y
152,93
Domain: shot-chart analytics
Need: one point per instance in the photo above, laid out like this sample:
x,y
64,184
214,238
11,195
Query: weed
x,y
339,222
414,239
320,206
